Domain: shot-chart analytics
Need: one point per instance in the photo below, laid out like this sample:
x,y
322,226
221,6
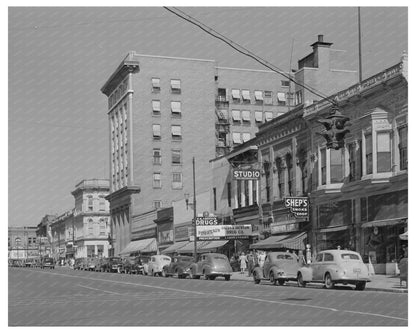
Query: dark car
x,y
113,264
179,266
132,265
80,263
210,266
31,262
91,264
101,265
48,263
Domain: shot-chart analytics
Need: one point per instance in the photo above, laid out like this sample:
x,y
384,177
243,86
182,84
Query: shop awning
x,y
294,242
174,247
334,229
212,245
383,223
142,245
189,248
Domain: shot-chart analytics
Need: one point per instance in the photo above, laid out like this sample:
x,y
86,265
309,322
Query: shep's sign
x,y
250,174
299,206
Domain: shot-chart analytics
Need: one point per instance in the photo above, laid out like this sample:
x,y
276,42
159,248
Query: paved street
x,y
66,297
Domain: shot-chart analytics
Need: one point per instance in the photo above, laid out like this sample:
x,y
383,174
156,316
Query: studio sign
x,y
299,206
250,174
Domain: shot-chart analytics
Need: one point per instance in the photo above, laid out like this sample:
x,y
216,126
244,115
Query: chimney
x,y
321,42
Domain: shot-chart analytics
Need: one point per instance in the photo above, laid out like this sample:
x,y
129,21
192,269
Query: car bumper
x,y
351,280
221,273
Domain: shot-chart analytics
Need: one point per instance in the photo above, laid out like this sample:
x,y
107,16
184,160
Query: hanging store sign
x,y
209,232
250,174
279,228
299,206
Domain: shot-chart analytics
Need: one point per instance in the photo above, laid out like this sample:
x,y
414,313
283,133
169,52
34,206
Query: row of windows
x,y
241,137
176,180
175,107
176,131
175,86
260,96
245,116
90,203
176,156
97,228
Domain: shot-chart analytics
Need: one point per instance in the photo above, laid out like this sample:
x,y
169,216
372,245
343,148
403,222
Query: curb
x,y
389,290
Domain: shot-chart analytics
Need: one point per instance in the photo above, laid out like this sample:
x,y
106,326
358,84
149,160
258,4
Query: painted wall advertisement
x,y
209,232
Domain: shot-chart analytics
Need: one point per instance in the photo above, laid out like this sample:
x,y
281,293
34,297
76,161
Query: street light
x,y
193,205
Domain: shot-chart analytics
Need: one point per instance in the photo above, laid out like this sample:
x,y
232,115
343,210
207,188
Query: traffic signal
x,y
335,128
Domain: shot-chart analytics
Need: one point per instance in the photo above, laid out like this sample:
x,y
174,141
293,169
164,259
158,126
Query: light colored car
x,y
278,267
211,265
335,266
157,263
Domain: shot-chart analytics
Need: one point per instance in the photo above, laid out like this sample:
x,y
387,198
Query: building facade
x,y
85,230
22,243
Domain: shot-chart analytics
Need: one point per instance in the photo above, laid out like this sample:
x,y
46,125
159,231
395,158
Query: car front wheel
x,y
360,285
227,277
301,283
256,278
272,278
329,284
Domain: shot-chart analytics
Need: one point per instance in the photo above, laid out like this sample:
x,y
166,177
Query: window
x,y
175,86
298,97
246,116
268,115
246,137
235,93
157,204
280,177
285,83
155,85
238,193
175,107
328,257
383,152
258,115
236,115
281,98
176,132
337,166
229,194
354,150
222,95
237,137
102,203
176,156
289,164
157,180
214,193
369,154
100,251
103,227
258,95
403,147
156,132
323,166
268,98
177,180
246,95
157,156
90,251
156,107
90,203
90,227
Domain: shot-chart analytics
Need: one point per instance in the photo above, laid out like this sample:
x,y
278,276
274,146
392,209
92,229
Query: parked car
x,y
335,266
211,265
48,263
144,267
179,266
80,263
157,263
101,264
30,262
278,267
91,263
113,264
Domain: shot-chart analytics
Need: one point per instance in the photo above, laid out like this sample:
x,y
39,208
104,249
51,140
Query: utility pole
x,y
360,70
194,204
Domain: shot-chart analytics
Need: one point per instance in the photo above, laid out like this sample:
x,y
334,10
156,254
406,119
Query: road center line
x,y
225,295
106,291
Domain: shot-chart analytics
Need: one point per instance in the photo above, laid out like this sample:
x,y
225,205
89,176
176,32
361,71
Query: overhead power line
x,y
245,51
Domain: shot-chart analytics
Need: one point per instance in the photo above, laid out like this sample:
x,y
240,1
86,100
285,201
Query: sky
x,y
60,57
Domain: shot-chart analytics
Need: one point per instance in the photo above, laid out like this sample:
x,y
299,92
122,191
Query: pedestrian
x,y
261,258
243,263
250,260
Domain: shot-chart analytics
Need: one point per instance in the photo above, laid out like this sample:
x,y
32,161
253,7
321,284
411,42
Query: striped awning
x,y
383,223
293,242
212,245
175,247
142,245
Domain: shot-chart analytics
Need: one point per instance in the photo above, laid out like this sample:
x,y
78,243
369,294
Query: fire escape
x,y
222,124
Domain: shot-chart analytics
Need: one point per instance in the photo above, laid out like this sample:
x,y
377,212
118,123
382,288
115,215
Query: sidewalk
x,y
388,283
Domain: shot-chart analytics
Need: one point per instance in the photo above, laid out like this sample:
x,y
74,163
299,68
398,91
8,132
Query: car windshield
x,y
166,259
185,259
218,258
350,256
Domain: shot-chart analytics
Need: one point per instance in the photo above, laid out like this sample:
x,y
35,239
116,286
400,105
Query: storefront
x,y
165,231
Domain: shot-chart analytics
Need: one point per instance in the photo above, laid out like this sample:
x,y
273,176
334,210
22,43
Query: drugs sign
x,y
224,231
250,174
299,206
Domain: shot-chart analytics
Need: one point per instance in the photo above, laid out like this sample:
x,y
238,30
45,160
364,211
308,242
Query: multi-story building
x,y
357,194
85,230
22,242
164,111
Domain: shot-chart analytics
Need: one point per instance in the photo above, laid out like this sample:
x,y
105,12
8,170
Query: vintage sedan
x,y
335,266
101,264
80,263
278,267
157,263
211,265
48,262
114,264
179,267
